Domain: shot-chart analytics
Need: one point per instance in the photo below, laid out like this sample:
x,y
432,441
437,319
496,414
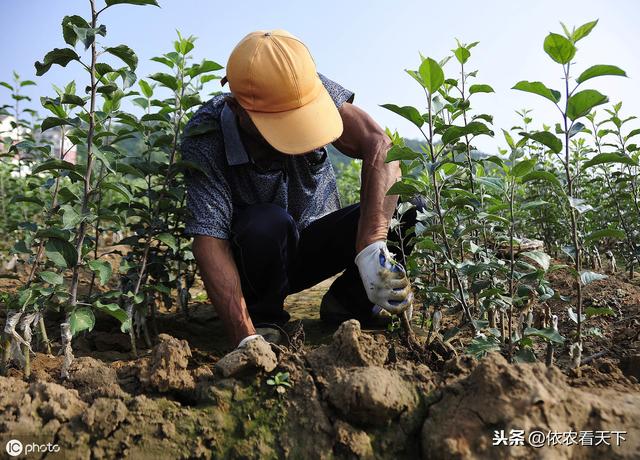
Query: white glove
x,y
248,339
384,280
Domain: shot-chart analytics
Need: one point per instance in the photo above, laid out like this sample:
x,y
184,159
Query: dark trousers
x,y
275,260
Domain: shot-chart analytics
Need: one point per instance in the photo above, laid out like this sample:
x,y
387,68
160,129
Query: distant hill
x,y
337,157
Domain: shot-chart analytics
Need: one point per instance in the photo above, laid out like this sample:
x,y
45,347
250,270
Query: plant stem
x,y
27,361
511,265
572,211
443,228
43,333
87,177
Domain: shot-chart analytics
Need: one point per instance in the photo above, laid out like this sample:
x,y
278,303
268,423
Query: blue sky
x,y
364,45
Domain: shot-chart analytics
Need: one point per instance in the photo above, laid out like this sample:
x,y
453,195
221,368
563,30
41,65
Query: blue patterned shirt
x,y
227,179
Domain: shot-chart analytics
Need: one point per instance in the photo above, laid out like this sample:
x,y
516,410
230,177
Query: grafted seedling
x,y
575,105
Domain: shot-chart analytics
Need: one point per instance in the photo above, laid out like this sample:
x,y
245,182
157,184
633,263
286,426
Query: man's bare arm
x,y
222,281
364,138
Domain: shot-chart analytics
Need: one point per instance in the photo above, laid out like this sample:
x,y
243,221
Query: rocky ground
x,y
353,394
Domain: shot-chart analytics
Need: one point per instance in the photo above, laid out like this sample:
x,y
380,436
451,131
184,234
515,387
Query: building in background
x,y
52,136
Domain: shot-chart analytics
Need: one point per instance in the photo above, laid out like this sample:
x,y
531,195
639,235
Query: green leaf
x,y
600,70
146,88
633,132
540,257
549,334
107,89
429,245
132,2
539,88
87,35
525,355
462,54
61,252
52,278
26,199
397,152
599,311
114,310
119,188
103,68
546,138
581,103
408,112
606,158
575,129
126,54
166,80
54,106
583,30
205,66
72,99
580,205
509,139
164,60
481,346
542,175
102,268
169,240
574,316
605,233
156,117
70,217
431,74
53,165
480,89
534,204
474,128
403,188
523,167
588,277
81,319
559,48
58,56
52,122
68,31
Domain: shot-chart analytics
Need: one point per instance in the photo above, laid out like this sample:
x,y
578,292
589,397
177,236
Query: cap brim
x,y
301,130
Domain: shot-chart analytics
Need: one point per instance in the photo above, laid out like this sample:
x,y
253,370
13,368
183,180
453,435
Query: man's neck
x,y
257,148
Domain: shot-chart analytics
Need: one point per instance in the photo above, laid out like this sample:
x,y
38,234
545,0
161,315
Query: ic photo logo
x,y
14,447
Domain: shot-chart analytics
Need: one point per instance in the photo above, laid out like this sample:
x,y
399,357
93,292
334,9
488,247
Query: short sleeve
x,y
339,94
208,195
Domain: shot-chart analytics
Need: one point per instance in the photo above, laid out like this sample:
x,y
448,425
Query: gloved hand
x,y
384,280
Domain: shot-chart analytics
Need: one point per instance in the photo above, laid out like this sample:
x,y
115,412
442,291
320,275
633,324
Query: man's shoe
x,y
288,334
333,312
270,334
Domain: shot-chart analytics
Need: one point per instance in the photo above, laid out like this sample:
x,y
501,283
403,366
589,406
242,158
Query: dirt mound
x,y
499,396
363,391
351,398
166,370
37,409
616,335
371,396
350,347
92,379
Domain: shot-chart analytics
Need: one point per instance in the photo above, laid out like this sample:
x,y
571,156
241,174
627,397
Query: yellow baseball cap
x,y
274,78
